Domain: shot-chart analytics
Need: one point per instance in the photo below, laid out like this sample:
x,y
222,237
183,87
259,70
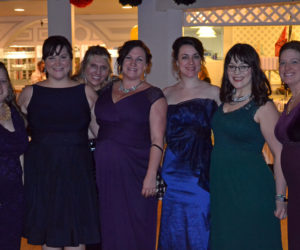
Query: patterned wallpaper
x,y
263,39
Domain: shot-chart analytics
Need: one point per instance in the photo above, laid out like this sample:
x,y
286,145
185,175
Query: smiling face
x,y
189,61
289,68
58,66
134,64
240,75
3,86
97,71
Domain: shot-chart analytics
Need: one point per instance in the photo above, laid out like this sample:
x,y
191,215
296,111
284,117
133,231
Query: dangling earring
x,y
233,91
145,75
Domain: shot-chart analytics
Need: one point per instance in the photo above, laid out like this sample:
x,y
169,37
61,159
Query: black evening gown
x,y
60,190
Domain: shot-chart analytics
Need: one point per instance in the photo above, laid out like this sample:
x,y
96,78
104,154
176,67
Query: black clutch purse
x,y
161,186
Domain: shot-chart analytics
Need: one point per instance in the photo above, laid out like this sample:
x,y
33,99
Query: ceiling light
x,y
127,6
206,32
19,9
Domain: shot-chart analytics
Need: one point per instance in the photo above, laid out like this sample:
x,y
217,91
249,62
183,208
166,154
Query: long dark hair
x,y
127,47
261,89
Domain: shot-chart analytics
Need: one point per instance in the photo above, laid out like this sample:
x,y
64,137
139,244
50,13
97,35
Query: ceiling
x,y
39,8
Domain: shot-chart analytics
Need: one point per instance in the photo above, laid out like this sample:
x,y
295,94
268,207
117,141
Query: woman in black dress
x,y
60,192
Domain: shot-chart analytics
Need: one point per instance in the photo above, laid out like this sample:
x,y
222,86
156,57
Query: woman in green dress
x,y
245,198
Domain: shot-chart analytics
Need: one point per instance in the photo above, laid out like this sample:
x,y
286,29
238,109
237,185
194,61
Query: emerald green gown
x,y
242,186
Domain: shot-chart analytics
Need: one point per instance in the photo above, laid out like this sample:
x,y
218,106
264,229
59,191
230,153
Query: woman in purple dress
x,y
288,133
131,114
13,142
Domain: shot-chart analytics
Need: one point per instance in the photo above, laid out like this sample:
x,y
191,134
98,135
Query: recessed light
x,y
127,6
19,9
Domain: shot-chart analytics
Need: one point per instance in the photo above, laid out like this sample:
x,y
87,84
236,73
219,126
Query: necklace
x,y
127,90
241,98
5,114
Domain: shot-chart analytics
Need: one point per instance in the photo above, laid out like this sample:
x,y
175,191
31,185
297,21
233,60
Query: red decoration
x,y
280,42
81,3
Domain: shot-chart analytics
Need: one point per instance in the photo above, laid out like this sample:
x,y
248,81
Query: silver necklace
x,y
127,90
241,98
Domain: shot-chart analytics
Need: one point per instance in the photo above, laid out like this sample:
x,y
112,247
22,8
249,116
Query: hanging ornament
x,y
130,2
81,3
186,2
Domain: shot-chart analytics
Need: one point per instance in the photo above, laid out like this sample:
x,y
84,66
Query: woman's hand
x,y
281,210
149,185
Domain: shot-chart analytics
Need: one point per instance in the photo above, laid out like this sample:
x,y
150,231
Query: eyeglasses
x,y
242,68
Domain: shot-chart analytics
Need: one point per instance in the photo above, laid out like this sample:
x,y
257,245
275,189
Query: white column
x,y
61,19
159,29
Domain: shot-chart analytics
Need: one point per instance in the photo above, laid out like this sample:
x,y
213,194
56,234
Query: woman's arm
x,y
24,98
267,115
158,117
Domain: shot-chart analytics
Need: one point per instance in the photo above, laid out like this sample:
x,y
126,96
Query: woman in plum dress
x,y
288,133
13,142
131,114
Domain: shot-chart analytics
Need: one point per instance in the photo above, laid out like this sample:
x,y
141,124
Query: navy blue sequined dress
x,y
185,222
12,145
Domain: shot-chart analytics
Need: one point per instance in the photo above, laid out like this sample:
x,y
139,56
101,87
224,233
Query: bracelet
x,y
281,197
155,145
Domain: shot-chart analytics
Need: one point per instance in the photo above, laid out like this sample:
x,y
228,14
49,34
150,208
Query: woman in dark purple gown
x,y
288,133
13,142
132,118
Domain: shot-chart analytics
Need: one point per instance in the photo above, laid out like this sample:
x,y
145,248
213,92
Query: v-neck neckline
x,y
126,97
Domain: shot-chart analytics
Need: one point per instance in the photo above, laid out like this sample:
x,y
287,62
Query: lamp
x,y
206,31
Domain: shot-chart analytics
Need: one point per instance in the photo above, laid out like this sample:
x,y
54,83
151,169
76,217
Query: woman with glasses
x,y
243,204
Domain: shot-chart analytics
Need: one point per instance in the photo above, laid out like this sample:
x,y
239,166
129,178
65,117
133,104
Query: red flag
x,y
280,42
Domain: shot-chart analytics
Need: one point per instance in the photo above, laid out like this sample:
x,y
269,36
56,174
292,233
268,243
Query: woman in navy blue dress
x,y
185,222
13,142
60,191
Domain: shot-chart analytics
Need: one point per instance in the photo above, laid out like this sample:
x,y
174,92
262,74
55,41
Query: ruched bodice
x,y
188,134
129,125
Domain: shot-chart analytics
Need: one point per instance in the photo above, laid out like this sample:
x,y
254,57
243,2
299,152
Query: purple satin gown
x,y
12,145
128,220
291,170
